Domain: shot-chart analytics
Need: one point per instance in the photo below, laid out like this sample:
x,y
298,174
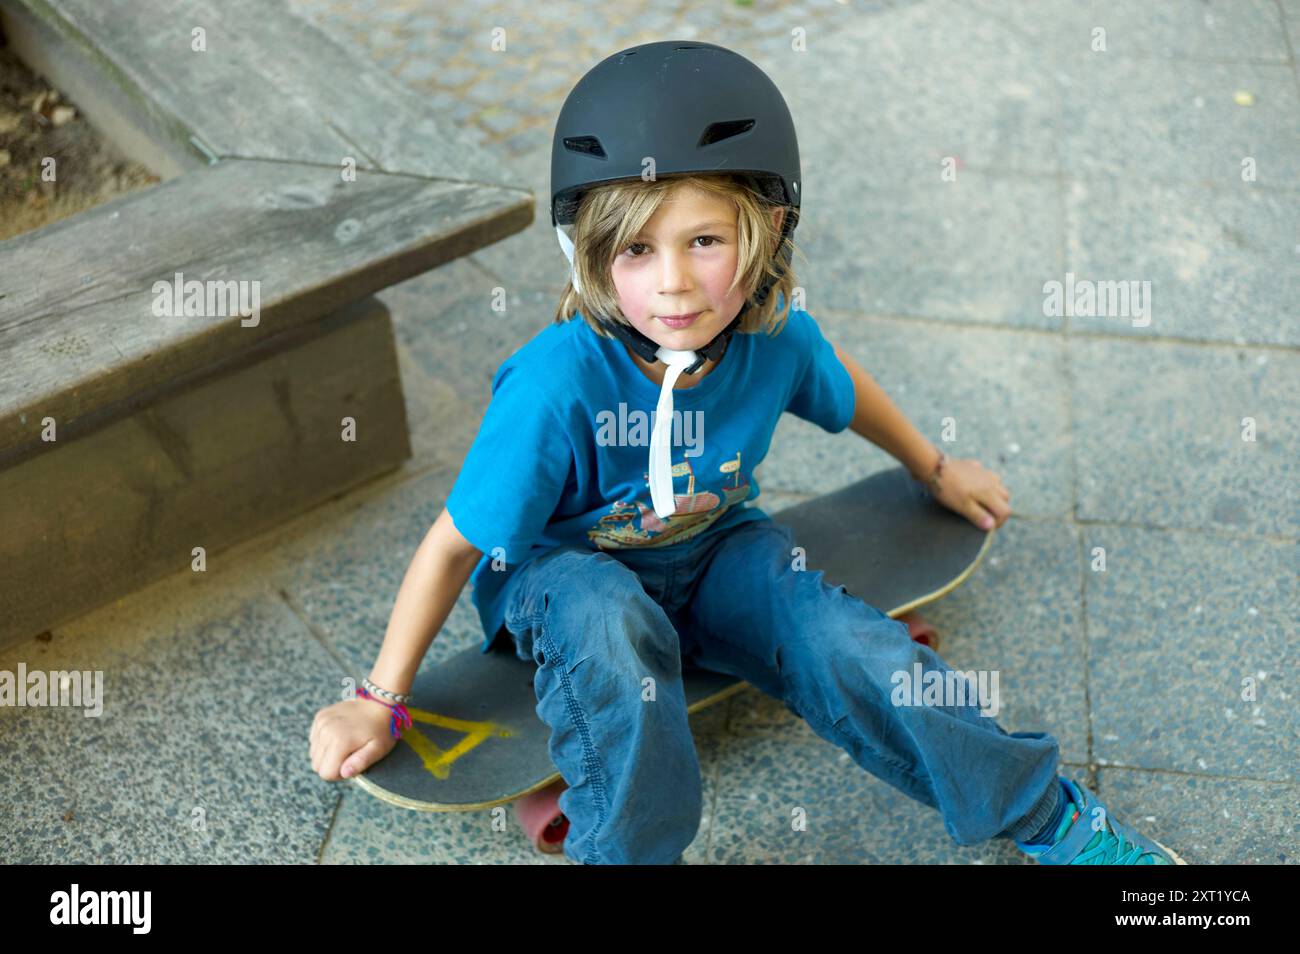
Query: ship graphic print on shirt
x,y
635,523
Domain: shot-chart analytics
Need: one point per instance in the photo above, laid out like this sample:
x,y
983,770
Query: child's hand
x,y
350,736
968,488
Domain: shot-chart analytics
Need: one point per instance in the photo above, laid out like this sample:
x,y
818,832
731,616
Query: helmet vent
x,y
725,130
586,145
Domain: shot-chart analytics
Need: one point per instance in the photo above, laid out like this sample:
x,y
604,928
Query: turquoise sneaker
x,y
1077,843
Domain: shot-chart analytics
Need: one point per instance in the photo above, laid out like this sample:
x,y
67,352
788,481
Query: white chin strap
x,y
661,437
566,244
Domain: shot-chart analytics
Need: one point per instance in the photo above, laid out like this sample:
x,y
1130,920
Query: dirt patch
x,y
38,122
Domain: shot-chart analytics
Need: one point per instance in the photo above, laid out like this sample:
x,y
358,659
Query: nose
x,y
674,273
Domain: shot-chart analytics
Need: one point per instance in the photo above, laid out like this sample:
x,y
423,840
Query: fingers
x,y
987,513
341,749
978,494
360,760
330,758
977,515
996,486
1001,512
325,749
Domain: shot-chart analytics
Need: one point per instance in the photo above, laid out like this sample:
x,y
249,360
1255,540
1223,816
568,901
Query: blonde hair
x,y
610,215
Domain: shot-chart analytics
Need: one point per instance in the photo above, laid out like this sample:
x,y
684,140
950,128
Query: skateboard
x,y
476,741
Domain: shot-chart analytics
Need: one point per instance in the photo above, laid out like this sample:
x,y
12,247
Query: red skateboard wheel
x,y
920,630
541,819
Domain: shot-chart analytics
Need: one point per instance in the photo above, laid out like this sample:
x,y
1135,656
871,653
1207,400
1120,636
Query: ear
x,y
778,217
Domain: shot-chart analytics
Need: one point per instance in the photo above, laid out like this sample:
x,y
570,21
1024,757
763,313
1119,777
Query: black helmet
x,y
695,108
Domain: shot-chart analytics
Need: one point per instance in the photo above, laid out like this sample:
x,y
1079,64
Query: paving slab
x,y
1245,30
200,754
1193,648
897,93
1160,439
976,250
1221,264
1208,821
1175,120
852,817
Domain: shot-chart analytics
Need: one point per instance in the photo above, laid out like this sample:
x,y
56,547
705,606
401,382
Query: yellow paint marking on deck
x,y
437,761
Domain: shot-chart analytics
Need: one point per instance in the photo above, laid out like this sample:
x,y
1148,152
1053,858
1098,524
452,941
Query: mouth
x,y
680,321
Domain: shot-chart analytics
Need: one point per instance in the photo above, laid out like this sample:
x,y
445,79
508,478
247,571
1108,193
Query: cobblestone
x,y
446,48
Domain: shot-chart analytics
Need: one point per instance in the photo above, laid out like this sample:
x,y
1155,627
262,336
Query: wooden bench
x,y
175,431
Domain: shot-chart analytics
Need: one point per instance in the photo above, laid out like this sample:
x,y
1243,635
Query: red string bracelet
x,y
400,715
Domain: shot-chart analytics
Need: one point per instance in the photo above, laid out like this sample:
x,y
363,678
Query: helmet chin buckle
x,y
648,348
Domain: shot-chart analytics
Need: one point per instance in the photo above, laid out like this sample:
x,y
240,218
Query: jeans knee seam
x,y
884,759
590,761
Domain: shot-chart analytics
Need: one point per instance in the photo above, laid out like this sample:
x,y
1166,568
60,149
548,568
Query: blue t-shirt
x,y
562,455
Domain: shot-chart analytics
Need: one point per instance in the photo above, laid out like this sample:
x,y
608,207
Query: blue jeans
x,y
610,630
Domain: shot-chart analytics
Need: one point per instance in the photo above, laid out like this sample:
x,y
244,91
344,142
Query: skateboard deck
x,y
476,740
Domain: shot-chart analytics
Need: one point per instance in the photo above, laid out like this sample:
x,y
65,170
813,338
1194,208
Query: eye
x,y
711,238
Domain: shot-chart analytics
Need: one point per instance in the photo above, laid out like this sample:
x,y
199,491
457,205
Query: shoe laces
x,y
1109,847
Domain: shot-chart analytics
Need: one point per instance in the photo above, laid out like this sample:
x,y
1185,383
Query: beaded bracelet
x,y
402,697
400,715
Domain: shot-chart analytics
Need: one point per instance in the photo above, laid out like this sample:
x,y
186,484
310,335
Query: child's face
x,y
682,263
